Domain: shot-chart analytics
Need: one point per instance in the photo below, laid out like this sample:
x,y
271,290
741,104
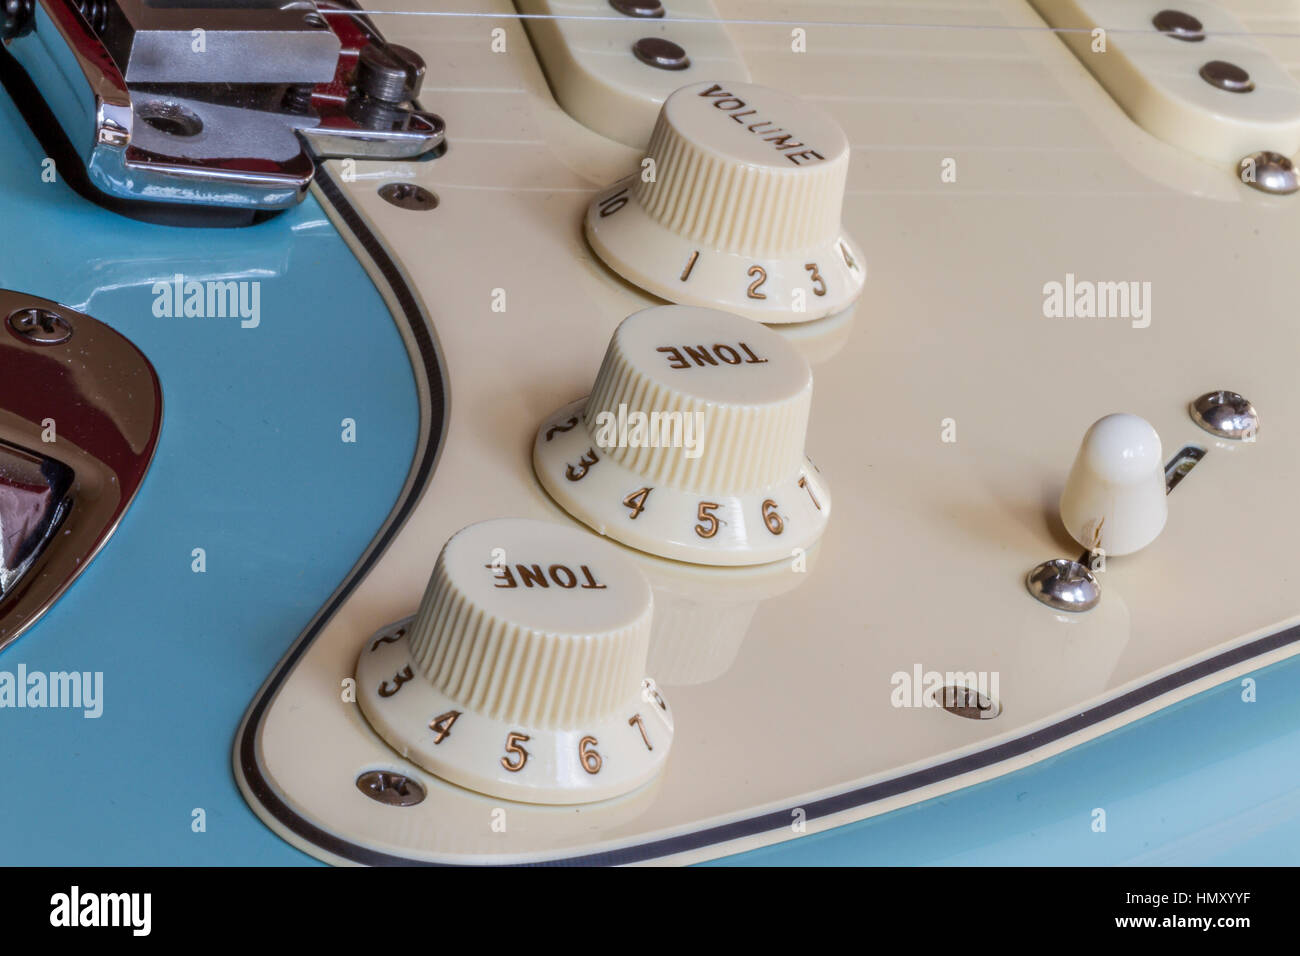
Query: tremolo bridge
x,y
220,105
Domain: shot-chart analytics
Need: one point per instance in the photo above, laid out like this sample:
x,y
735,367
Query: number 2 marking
x,y
568,426
759,275
388,639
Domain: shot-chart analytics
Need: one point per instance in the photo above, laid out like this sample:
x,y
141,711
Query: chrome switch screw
x,y
1064,585
1225,414
1179,25
1227,76
39,326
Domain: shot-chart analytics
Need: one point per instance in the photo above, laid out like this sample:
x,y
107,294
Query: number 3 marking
x,y
819,287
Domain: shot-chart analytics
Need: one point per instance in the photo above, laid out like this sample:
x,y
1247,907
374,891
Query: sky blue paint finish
x,y
251,467
1213,780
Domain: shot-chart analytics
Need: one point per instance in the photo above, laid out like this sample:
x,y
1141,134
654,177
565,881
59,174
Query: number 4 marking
x,y
636,501
441,725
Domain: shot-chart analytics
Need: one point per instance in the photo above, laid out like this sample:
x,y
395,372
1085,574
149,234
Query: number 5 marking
x,y
708,525
512,747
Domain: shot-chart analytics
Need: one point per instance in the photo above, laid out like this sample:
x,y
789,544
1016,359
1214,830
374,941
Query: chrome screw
x,y
390,788
409,196
1269,172
1064,585
1226,414
39,326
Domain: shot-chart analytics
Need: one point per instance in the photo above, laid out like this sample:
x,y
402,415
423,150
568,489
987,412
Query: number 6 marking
x,y
591,761
771,518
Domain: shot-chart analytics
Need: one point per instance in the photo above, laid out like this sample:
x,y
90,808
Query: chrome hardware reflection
x,y
79,422
240,126
34,499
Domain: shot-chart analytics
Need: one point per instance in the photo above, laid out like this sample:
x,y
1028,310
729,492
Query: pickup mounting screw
x,y
1064,585
409,196
391,788
1269,172
660,53
646,9
1225,414
39,326
1179,25
1227,76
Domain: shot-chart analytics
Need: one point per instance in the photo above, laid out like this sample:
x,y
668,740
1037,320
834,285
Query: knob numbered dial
x,y
736,207
522,675
691,444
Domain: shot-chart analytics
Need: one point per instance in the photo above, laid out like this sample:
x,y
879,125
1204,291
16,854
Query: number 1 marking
x,y
803,483
635,721
690,264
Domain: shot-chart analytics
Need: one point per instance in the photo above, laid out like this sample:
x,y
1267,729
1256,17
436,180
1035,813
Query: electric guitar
x,y
297,292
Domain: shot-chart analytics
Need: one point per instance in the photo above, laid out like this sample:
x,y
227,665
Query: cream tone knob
x,y
736,207
691,444
523,673
1114,500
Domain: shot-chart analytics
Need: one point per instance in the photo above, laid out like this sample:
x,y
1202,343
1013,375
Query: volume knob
x,y
523,674
736,207
691,444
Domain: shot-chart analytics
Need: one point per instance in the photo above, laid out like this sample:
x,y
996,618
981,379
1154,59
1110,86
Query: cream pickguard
x,y
944,419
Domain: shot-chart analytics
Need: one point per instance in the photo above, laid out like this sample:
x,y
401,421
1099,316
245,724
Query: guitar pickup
x,y
1188,73
229,105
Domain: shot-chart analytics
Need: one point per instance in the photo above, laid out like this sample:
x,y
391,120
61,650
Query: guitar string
x,y
865,24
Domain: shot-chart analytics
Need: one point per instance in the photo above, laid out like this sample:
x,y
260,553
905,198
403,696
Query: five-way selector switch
x,y
691,444
736,207
523,673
